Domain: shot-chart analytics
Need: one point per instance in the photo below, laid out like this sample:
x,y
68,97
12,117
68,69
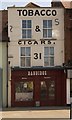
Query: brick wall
x,y
3,25
68,34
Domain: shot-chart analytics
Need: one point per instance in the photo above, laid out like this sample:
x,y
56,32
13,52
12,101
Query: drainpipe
x,y
7,73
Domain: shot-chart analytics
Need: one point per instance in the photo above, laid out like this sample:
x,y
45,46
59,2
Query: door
x,y
47,92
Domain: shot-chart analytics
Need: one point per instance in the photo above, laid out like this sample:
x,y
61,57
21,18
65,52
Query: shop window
x,y
43,90
47,28
24,91
48,56
70,87
25,57
26,29
51,90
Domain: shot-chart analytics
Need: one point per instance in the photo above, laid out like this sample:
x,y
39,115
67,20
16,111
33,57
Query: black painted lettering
x,y
30,12
35,43
24,12
24,42
42,12
56,21
19,12
42,41
37,13
49,42
35,56
39,55
54,12
37,28
19,42
29,42
48,12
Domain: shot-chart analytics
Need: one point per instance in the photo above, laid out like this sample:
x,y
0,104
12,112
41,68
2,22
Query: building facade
x,y
67,5
3,57
36,56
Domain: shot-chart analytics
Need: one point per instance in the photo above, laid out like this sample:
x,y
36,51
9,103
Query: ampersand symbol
x,y
37,29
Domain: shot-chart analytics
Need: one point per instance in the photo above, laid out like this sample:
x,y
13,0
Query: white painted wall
x,y
58,32
68,91
9,93
3,65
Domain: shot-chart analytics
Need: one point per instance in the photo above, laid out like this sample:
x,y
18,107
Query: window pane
x,y
46,51
28,33
22,51
23,33
51,51
28,23
23,23
46,61
25,56
49,32
24,91
44,23
43,90
49,23
28,61
51,61
28,51
45,33
51,90
23,61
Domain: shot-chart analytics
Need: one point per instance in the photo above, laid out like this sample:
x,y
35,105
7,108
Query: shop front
x,y
38,87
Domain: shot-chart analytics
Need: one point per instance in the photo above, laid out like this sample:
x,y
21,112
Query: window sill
x,y
48,39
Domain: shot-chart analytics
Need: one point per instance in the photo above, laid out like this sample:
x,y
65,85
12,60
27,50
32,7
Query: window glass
x,y
28,52
46,61
23,23
23,33
51,90
51,61
24,91
48,56
28,61
43,90
49,23
26,29
51,51
29,33
47,28
25,58
46,51
22,61
44,23
28,23
22,51
45,33
49,33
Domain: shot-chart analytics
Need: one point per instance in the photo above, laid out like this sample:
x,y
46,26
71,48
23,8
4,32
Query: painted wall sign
x,y
32,73
30,42
37,29
42,12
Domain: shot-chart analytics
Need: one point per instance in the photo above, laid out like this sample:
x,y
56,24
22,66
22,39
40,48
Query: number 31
x,y
37,56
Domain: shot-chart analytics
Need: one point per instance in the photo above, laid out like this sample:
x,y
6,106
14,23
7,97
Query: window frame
x,y
26,29
49,56
47,29
24,57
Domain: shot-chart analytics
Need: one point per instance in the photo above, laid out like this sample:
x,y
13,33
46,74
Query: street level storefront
x,y
38,87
